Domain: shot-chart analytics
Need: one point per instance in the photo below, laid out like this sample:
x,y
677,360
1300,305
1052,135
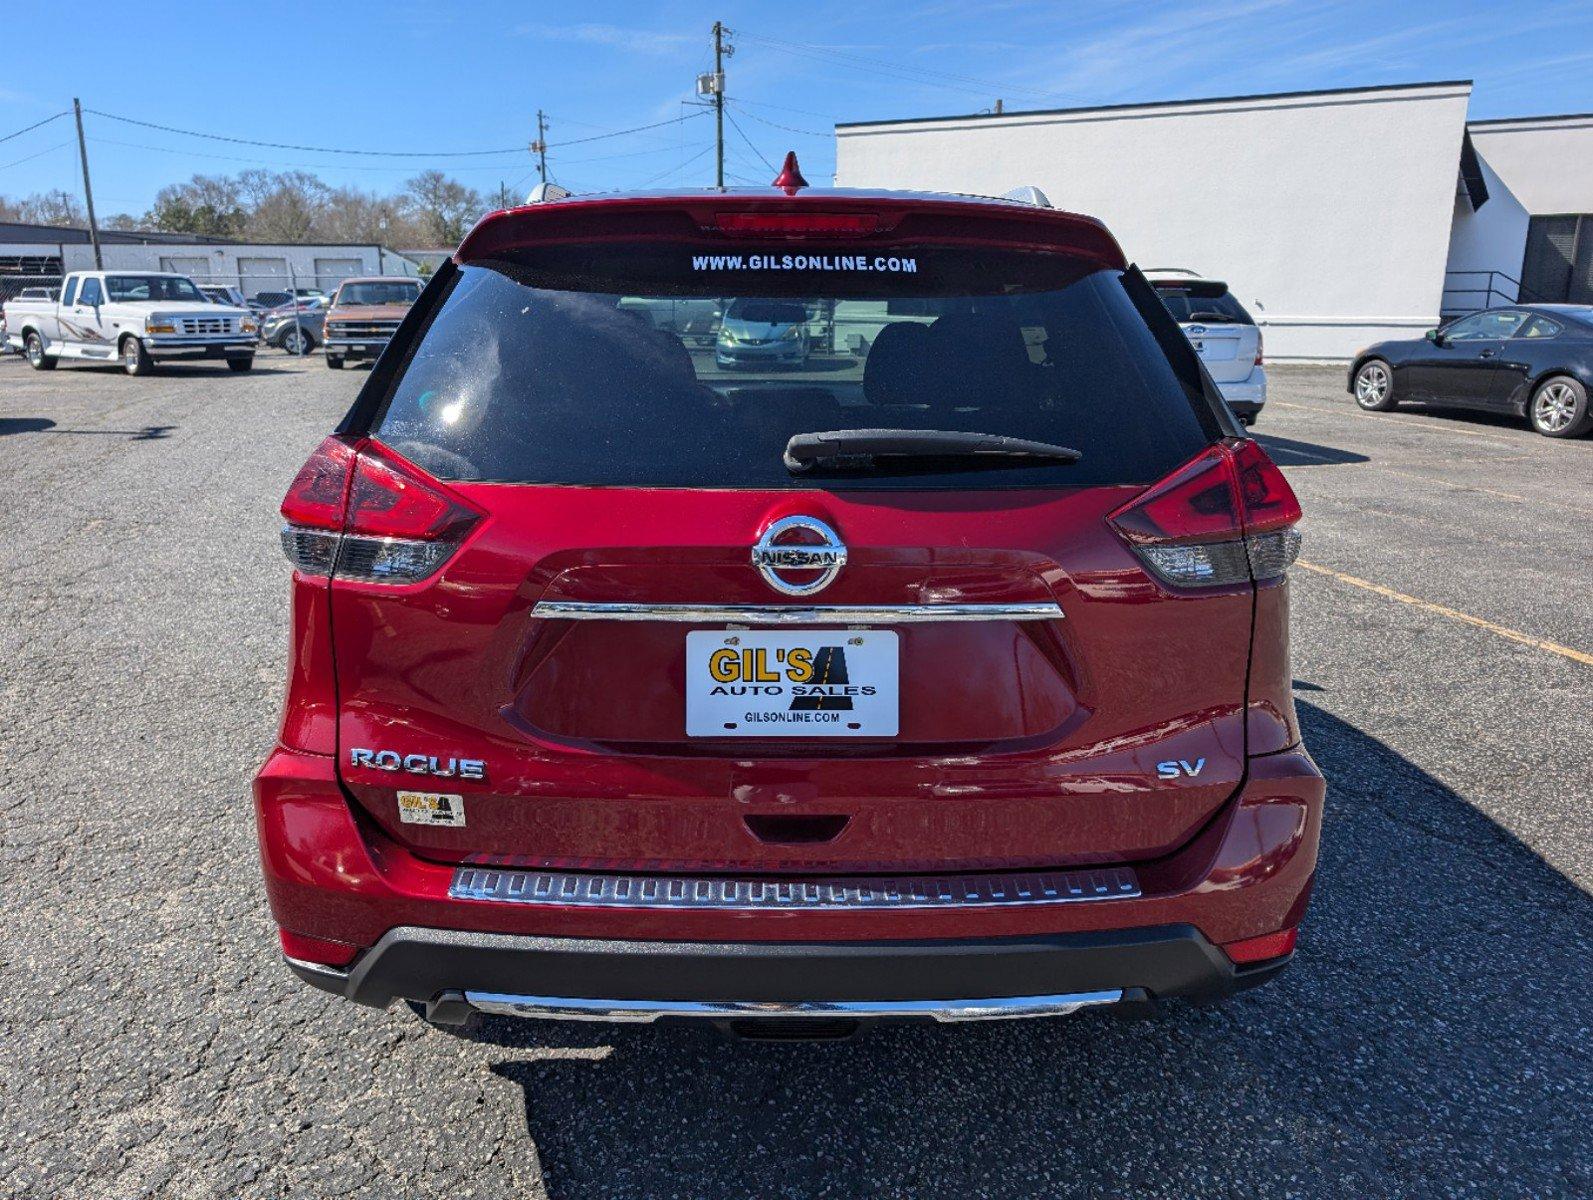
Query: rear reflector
x,y
1225,517
796,224
317,950
1268,945
393,523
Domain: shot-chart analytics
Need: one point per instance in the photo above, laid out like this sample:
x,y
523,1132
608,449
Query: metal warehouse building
x,y
1338,217
42,251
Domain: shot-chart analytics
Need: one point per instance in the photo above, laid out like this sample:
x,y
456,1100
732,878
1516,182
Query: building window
x,y
1559,262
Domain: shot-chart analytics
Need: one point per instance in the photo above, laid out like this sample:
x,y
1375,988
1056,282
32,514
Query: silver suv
x,y
1222,332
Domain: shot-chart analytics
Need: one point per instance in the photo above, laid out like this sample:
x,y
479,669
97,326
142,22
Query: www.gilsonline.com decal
x,y
882,263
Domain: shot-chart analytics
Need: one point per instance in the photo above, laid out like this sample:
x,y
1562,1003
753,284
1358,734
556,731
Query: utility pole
x,y
719,104
88,191
540,146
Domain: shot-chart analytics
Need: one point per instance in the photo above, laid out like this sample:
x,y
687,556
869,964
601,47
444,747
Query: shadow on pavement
x,y
1287,452
146,433
10,425
1431,1038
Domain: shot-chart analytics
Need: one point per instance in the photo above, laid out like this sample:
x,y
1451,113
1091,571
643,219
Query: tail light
x,y
1260,343
1226,516
361,512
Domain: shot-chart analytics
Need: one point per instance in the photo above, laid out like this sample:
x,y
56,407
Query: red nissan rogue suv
x,y
938,671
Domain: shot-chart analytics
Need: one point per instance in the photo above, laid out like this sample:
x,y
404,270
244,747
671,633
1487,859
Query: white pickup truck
x,y
137,318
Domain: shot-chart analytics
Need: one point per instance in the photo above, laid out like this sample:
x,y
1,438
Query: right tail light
x,y
1226,516
358,511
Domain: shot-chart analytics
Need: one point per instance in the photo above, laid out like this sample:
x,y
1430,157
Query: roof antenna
x,y
790,176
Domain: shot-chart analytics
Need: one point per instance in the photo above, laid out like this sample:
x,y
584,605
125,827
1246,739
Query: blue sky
x,y
440,76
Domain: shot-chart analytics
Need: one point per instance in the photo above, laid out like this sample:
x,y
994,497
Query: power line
x,y
35,125
680,166
776,125
806,112
598,137
305,166
17,162
221,137
736,125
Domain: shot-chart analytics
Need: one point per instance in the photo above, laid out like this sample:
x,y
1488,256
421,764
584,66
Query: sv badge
x,y
1178,767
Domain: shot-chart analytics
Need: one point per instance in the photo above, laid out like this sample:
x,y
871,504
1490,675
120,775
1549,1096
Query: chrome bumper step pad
x,y
866,892
992,1009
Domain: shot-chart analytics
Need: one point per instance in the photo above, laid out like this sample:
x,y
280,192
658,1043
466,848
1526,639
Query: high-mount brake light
x,y
1227,516
796,225
365,514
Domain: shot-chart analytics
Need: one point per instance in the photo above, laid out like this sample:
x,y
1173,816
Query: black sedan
x,y
1529,360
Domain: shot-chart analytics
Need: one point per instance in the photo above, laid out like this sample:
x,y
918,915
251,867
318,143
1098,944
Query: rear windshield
x,y
659,366
380,292
1212,303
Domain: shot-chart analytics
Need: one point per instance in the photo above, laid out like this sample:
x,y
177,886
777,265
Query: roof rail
x,y
544,192
1170,271
1028,194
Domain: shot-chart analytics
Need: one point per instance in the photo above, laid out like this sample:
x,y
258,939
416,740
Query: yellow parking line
x,y
1453,614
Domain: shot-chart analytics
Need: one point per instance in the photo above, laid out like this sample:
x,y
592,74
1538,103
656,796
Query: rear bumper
x,y
935,979
331,875
1246,396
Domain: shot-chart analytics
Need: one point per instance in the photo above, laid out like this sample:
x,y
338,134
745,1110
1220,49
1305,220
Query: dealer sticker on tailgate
x,y
813,683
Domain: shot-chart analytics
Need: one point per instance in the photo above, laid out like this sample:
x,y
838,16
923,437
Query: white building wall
x,y
1328,214
1491,238
223,261
1547,162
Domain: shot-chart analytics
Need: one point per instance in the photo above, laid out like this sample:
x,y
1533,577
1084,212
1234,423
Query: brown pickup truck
x,y
364,314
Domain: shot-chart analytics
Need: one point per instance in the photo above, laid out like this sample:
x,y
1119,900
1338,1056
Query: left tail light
x,y
1226,516
358,511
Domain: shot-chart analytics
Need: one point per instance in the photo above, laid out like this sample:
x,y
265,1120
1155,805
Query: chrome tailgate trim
x,y
794,614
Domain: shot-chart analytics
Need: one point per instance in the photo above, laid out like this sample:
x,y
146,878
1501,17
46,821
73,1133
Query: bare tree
x,y
44,208
290,210
206,204
443,208
355,216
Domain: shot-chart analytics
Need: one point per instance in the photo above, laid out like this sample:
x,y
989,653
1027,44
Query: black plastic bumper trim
x,y
1170,961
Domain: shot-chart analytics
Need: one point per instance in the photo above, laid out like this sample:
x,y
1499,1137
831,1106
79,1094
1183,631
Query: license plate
x,y
815,683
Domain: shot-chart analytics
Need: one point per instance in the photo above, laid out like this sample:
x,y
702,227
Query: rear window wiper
x,y
863,449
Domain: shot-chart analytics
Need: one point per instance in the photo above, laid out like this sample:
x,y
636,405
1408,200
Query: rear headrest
x,y
663,352
896,367
978,360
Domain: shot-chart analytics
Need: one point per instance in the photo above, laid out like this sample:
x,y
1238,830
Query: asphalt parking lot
x,y
1433,1038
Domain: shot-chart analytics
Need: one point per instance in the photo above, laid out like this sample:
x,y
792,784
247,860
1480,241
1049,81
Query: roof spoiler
x,y
1028,194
